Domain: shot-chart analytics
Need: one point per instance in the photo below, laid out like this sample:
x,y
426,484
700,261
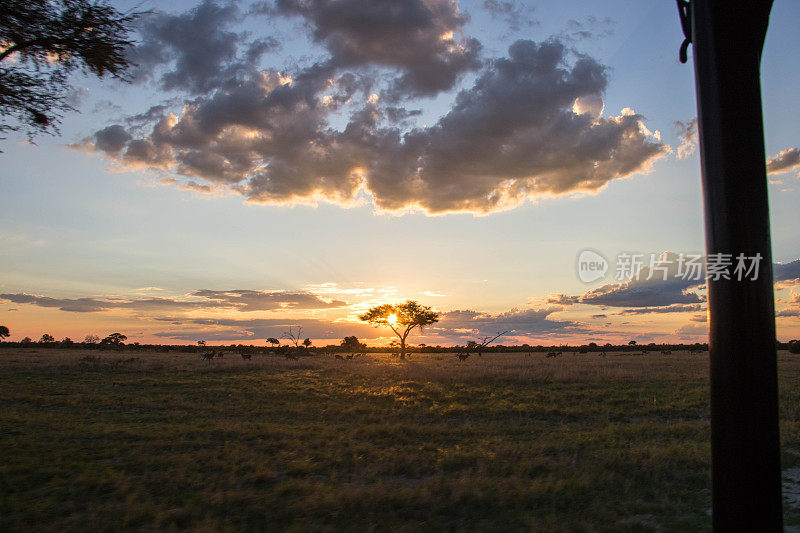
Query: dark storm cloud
x,y
240,300
530,125
785,161
653,293
112,139
514,135
197,50
418,37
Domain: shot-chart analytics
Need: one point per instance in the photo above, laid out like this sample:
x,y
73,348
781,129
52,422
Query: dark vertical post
x,y
727,40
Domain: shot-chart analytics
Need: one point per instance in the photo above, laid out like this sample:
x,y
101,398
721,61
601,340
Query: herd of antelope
x,y
461,356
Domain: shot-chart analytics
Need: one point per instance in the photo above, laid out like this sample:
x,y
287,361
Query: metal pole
x,y
727,40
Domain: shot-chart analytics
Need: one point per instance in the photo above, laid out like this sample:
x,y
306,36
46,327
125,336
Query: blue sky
x,y
81,222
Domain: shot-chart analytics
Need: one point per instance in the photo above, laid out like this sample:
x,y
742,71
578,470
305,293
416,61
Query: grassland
x,y
162,441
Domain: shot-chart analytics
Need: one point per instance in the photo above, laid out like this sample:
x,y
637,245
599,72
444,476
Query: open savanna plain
x,y
137,440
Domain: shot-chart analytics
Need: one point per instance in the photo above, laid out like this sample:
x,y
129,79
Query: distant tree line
x,y
352,344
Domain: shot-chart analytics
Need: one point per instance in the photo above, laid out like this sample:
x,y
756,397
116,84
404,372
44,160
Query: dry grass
x,y
144,440
492,366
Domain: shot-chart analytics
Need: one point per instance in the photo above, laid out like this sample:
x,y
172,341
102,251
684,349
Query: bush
x,y
794,346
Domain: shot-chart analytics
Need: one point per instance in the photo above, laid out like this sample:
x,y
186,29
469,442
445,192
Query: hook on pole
x,y
684,12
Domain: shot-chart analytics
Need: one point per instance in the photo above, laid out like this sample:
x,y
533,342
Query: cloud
x,y
195,52
262,328
689,331
562,299
518,322
666,291
664,309
112,139
93,305
460,324
787,273
240,300
653,293
434,294
785,161
787,313
417,37
591,28
664,288
687,133
514,14
249,300
514,135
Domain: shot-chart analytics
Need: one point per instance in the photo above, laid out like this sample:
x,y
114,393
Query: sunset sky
x,y
296,162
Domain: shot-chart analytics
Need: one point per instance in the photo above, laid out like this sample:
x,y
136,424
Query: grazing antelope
x,y
208,356
551,354
462,356
602,354
246,356
339,357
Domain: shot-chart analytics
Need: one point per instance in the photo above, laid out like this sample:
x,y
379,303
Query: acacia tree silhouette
x,y
4,333
401,318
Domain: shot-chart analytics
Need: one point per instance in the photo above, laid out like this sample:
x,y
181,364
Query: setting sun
x,y
392,319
